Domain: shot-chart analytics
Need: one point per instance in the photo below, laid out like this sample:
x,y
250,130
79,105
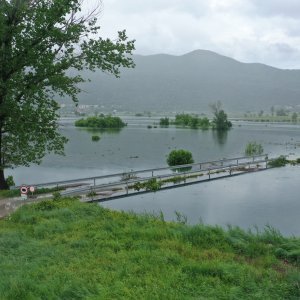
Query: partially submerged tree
x,y
40,40
220,121
179,157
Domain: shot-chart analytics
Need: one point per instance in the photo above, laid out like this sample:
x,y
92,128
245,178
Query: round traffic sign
x,y
32,189
24,189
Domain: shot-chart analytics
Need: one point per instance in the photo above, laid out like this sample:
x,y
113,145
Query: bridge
x,y
118,185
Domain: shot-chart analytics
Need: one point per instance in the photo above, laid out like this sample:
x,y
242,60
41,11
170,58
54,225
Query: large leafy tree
x,y
40,40
220,121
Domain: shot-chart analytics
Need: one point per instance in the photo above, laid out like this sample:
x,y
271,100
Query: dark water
x,y
261,198
265,198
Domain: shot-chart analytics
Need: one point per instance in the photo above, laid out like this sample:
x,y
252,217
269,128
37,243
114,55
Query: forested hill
x,y
190,82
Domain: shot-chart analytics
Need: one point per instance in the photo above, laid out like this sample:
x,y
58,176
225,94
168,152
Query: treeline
x,y
187,120
219,122
101,121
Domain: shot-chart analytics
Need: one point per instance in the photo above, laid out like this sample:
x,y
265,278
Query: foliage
x,y
253,148
95,138
56,196
150,185
10,181
40,42
179,157
191,121
100,122
164,122
92,193
294,117
220,121
96,253
280,161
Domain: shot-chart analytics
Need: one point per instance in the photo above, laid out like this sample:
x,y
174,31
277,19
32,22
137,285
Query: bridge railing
x,y
209,171
152,173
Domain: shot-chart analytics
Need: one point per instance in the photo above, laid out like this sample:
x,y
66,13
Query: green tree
x,y
294,117
220,121
164,121
179,157
40,41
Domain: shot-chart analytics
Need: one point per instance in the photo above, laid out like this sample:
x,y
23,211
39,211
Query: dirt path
x,y
9,205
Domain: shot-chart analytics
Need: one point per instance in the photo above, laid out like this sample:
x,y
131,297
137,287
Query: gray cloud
x,y
288,8
248,30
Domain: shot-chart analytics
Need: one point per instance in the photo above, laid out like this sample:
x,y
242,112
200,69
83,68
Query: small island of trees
x,y
219,122
101,122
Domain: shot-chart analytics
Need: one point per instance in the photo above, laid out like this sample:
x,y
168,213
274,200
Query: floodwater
x,y
268,197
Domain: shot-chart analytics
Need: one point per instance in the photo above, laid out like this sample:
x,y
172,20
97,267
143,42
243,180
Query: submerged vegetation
x,y
100,122
254,148
179,157
95,138
280,161
191,121
97,253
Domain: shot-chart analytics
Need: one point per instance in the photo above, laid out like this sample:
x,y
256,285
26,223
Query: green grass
x,y
65,249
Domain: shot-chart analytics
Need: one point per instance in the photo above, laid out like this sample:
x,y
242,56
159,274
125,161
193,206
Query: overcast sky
x,y
265,31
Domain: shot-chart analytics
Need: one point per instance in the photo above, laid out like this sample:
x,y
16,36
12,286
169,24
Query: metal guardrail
x,y
200,164
129,182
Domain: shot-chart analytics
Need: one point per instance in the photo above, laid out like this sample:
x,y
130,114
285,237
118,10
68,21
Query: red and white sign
x,y
24,189
32,189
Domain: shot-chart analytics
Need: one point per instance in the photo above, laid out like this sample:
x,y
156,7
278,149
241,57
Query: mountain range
x,y
191,82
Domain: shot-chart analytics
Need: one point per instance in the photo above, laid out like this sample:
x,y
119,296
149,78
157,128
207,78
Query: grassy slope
x,y
70,250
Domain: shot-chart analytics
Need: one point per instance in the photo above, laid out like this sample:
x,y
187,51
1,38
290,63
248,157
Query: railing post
x,y
209,174
200,166
152,173
126,188
94,181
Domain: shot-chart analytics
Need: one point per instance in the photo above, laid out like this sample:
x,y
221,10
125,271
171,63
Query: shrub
x,y
179,157
253,148
280,161
10,181
56,196
101,122
164,122
95,138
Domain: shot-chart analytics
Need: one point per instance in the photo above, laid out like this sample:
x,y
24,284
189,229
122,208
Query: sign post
x,y
31,189
24,191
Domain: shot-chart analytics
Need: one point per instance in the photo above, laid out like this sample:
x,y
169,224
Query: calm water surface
x,y
261,198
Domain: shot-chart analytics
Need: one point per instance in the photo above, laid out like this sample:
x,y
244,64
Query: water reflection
x,y
220,136
100,130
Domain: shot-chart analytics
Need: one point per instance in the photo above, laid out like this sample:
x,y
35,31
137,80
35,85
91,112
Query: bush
x,y
164,122
179,157
95,138
253,148
10,181
280,161
101,122
192,121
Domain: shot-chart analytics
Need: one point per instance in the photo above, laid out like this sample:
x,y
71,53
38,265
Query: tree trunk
x,y
3,184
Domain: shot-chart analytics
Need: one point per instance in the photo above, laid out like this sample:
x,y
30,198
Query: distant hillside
x,y
190,82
